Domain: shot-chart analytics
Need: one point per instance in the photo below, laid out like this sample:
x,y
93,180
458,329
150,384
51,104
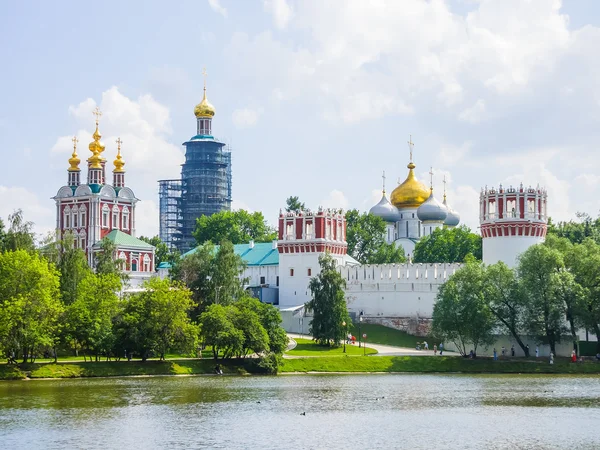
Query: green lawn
x,y
440,364
307,347
378,334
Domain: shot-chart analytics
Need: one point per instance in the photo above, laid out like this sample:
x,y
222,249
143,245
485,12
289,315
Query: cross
x,y
75,141
205,74
410,146
97,113
431,175
444,184
119,142
383,176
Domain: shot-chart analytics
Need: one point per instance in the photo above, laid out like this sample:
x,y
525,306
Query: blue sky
x,y
316,98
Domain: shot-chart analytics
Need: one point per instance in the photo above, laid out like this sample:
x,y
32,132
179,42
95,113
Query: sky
x,y
316,98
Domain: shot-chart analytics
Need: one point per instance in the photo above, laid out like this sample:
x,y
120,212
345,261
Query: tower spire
x,y
74,161
118,171
204,113
383,177
431,178
410,148
444,181
95,162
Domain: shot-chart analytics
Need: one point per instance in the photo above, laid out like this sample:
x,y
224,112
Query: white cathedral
x,y
413,212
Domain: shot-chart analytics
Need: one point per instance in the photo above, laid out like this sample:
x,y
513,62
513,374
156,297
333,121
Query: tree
x,y
572,296
270,320
505,300
218,331
576,231
365,234
89,319
293,204
544,312
156,320
255,338
73,267
20,234
106,261
448,245
235,226
460,313
30,304
328,304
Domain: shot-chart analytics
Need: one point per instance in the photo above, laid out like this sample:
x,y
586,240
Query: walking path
x,y
384,350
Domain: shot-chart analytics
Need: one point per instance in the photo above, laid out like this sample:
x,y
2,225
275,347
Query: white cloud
x,y
336,199
41,214
281,11
473,114
217,7
245,117
143,125
236,205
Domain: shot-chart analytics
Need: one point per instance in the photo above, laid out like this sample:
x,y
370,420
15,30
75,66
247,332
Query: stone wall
x,y
418,326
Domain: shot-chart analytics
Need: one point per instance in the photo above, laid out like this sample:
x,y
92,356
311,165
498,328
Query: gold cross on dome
x,y
97,113
444,181
410,146
119,142
383,176
75,141
431,176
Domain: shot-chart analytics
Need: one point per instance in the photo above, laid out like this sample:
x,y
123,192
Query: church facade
x,y
97,209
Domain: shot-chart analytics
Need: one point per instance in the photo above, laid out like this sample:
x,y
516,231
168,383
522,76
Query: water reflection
x,y
368,411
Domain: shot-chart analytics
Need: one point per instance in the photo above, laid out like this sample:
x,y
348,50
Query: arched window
x,y
125,218
134,265
105,212
75,218
511,206
122,260
146,263
67,217
115,217
82,216
82,240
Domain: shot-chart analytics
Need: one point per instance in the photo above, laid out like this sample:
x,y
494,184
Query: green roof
x,y
262,254
165,265
121,239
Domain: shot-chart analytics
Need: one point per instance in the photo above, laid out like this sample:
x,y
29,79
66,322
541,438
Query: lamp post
x,y
359,323
364,344
345,335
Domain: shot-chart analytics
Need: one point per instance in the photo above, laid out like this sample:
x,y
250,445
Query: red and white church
x,y
98,210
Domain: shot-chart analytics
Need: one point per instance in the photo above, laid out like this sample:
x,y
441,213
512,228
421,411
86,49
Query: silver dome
x,y
432,210
385,210
453,218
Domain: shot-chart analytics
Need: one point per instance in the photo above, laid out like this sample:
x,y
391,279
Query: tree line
x,y
52,302
553,292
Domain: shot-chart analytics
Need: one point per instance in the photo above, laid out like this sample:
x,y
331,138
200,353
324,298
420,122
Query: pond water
x,y
341,411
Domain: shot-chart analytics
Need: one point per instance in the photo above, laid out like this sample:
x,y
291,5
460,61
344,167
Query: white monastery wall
x,y
256,274
395,290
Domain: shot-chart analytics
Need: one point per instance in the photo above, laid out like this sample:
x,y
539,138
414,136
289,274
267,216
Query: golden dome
x,y
96,145
74,160
410,194
204,108
118,162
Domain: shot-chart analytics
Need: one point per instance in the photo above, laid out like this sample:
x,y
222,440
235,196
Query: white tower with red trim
x,y
303,237
512,220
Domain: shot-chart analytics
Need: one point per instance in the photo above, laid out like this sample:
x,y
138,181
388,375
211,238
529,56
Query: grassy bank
x,y
378,334
429,364
122,368
308,347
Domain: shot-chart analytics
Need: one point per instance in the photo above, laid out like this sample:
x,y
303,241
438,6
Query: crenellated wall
x,y
394,290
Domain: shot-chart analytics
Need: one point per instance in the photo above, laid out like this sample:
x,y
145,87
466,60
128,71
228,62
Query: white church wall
x,y
507,248
395,290
254,274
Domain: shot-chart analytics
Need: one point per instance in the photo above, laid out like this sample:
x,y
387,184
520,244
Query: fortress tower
x,y
512,219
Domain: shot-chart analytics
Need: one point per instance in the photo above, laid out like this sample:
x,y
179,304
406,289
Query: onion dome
x,y
432,210
385,210
74,159
118,162
204,108
453,218
410,194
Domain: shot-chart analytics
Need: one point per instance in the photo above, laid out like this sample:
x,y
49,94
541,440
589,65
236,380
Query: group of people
x,y
426,347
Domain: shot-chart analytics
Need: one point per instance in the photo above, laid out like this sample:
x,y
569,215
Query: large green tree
x,y
270,320
328,304
156,320
30,305
461,314
218,331
365,234
19,235
238,227
538,271
448,245
293,204
576,231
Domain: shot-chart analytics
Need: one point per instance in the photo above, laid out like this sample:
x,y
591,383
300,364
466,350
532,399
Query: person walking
x,y
573,356
435,349
426,345
495,355
441,348
551,358
503,351
537,351
512,350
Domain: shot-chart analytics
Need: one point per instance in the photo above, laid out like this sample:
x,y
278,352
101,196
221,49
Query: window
x,y
82,216
75,216
146,263
309,231
122,260
289,231
105,216
309,272
291,272
125,217
82,239
277,280
115,218
134,265
413,215
262,280
67,217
